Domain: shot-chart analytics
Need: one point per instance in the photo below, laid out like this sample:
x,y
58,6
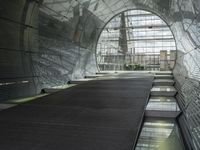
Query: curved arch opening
x,y
136,40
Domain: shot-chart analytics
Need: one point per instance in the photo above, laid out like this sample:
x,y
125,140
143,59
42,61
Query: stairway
x,y
162,102
160,130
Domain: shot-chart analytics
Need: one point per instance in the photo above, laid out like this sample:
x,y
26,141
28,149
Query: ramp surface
x,y
97,115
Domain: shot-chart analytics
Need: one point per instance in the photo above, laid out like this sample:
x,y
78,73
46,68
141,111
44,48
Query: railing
x,y
114,62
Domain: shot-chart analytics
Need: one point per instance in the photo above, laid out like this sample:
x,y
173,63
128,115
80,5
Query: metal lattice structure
x,y
145,35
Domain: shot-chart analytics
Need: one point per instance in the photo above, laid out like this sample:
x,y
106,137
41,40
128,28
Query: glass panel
x,y
159,134
163,88
162,104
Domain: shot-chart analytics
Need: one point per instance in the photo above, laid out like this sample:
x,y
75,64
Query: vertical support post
x,y
123,38
163,60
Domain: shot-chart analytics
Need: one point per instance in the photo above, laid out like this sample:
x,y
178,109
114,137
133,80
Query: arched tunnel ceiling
x,y
61,35
181,15
88,17
103,9
49,42
58,32
174,12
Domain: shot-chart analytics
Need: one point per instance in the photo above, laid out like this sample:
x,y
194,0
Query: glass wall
x,y
133,40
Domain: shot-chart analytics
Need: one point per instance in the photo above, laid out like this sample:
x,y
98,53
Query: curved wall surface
x,y
41,47
45,43
187,70
48,42
16,73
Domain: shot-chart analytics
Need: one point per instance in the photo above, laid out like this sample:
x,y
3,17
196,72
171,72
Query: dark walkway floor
x,y
98,115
